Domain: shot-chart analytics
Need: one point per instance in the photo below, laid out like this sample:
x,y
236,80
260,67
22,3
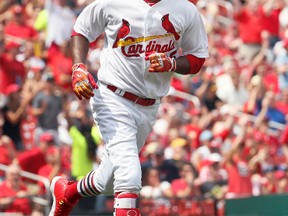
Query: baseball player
x,y
141,53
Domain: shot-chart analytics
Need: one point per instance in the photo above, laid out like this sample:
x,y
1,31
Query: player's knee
x,y
131,183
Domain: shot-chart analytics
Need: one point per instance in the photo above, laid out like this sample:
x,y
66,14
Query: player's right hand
x,y
160,62
83,82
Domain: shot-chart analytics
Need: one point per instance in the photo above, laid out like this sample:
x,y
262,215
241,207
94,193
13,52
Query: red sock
x,y
71,193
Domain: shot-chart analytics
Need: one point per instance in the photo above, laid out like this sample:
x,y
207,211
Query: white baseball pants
x,y
124,126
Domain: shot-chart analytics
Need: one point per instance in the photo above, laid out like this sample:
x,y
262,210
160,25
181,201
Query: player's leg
x,y
120,131
120,139
125,203
120,123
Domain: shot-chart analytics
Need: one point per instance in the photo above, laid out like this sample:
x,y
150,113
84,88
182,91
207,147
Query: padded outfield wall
x,y
269,205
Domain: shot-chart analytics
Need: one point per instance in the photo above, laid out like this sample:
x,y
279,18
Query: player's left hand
x,y
83,82
160,62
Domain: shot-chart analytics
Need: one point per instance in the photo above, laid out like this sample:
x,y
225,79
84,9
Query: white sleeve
x,y
195,40
91,21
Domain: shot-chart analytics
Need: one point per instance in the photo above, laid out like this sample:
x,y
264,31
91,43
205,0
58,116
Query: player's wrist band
x,y
174,65
79,66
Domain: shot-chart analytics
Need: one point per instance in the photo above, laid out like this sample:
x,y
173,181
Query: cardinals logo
x,y
132,213
122,32
122,39
168,26
134,47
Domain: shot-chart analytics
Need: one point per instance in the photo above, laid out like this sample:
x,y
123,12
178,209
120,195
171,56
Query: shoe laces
x,y
70,182
63,208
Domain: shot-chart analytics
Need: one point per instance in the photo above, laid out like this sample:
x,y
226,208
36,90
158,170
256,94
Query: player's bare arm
x,y
83,82
182,65
79,47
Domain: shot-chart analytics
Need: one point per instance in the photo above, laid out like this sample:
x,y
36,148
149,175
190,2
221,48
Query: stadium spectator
x,y
8,152
46,106
235,91
60,63
282,183
166,126
249,21
282,17
212,178
155,193
12,71
17,29
5,5
282,101
60,22
238,165
204,150
268,110
185,186
207,93
32,85
268,183
194,126
14,112
155,158
14,196
271,10
154,188
180,151
84,140
51,168
281,61
26,160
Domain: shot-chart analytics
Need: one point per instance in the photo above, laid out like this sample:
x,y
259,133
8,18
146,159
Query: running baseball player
x,y
141,54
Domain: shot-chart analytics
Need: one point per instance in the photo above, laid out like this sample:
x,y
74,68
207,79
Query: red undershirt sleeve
x,y
74,33
195,63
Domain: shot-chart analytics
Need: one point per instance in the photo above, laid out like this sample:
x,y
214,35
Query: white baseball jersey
x,y
133,28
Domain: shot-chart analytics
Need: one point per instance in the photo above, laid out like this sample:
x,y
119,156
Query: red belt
x,y
132,97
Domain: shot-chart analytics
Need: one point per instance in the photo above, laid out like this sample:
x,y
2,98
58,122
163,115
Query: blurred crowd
x,y
230,141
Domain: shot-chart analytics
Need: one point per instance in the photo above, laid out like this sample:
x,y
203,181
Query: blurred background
x,y
221,138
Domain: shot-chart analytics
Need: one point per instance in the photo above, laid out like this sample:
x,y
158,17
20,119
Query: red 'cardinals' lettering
x,y
168,26
136,49
134,46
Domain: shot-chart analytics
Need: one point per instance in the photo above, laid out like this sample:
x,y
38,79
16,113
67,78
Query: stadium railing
x,y
41,200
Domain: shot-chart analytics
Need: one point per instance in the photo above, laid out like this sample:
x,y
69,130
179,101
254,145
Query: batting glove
x,y
83,82
160,62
